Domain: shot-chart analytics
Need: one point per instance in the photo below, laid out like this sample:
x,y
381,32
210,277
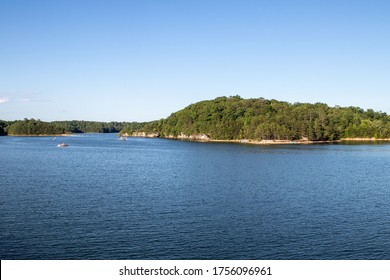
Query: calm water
x,y
101,198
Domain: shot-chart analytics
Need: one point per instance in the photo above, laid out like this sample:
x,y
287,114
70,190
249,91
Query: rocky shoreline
x,y
206,138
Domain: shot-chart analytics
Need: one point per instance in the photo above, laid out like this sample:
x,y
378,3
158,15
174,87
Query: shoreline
x,y
265,142
262,142
296,142
365,139
273,142
37,135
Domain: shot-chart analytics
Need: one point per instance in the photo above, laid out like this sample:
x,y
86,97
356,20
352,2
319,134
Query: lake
x,y
101,198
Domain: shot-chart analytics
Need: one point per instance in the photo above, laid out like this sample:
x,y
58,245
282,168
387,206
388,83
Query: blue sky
x,y
142,60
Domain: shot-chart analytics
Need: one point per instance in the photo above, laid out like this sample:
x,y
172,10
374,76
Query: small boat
x,y
122,138
62,145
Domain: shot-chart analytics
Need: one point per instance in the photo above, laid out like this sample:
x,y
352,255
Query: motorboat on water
x,y
122,138
62,145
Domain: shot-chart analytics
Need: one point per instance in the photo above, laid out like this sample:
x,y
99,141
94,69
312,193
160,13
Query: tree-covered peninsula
x,y
235,118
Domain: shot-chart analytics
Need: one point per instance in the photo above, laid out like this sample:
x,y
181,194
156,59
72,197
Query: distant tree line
x,y
38,127
233,118
3,125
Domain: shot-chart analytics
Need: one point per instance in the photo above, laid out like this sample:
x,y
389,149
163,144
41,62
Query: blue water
x,y
101,198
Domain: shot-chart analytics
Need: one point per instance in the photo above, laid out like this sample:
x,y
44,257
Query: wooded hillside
x,y
234,118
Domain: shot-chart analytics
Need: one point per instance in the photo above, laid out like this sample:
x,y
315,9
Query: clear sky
x,y
129,60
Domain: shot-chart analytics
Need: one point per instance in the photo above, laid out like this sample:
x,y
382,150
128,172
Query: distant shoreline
x,y
38,135
57,135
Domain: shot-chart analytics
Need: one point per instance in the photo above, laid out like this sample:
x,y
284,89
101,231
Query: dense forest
x,y
38,127
235,118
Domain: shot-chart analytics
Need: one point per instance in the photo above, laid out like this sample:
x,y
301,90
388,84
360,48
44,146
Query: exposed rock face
x,y
195,137
198,137
143,134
